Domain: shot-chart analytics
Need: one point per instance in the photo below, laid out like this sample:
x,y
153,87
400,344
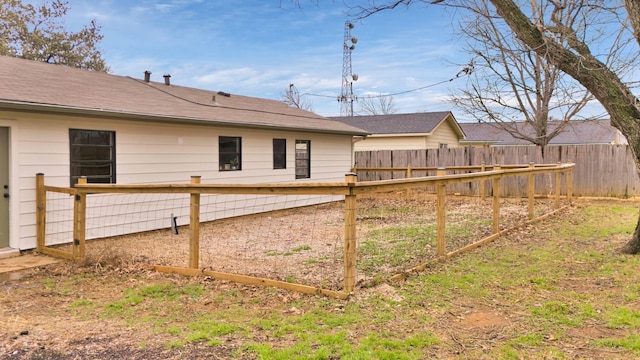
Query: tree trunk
x,y
633,246
580,64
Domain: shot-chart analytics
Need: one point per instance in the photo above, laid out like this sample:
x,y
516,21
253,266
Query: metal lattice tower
x,y
346,98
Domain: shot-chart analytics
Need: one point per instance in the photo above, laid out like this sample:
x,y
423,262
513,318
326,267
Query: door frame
x,y
13,216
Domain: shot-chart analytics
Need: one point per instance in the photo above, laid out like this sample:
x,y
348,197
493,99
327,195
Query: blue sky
x,y
258,47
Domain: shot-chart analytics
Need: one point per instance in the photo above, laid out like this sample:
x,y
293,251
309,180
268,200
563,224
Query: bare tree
x,y
38,33
512,84
569,48
291,96
377,105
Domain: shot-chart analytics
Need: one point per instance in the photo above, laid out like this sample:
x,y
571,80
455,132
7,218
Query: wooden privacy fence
x,y
602,170
351,189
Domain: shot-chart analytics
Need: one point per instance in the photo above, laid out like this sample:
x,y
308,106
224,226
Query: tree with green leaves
x,y
568,47
38,33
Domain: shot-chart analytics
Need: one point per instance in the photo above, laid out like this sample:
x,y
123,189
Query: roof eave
x,y
400,135
454,124
100,113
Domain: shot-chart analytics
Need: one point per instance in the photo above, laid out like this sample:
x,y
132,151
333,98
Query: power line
x,y
465,71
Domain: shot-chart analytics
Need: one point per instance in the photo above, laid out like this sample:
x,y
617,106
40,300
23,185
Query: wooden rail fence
x,y
350,189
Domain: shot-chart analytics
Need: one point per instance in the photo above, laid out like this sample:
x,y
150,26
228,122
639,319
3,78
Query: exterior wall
x,y
443,134
391,143
161,153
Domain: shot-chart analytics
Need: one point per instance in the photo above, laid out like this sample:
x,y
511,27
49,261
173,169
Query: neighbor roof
x,y
575,132
38,86
399,124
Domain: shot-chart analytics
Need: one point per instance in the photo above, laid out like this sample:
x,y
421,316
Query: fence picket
x,y
601,170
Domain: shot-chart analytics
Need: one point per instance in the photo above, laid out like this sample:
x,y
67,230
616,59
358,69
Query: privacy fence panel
x,y
601,170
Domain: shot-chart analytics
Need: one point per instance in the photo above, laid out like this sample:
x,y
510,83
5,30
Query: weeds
x,y
558,290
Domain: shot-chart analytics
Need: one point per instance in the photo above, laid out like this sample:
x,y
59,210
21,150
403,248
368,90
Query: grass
x,y
557,290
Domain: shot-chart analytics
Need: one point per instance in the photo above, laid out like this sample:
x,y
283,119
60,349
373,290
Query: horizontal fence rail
x,y
343,234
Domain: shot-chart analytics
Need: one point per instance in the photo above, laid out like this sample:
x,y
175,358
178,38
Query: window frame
x,y
76,150
226,158
279,153
303,163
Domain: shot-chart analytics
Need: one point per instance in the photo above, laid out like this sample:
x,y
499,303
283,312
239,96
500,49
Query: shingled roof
x,y
575,132
36,86
399,124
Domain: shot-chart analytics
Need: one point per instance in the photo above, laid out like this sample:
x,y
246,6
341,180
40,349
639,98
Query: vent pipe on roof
x,y
147,76
166,79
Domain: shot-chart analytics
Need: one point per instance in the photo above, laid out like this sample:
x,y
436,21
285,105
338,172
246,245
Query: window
x,y
279,153
92,154
442,146
303,159
230,153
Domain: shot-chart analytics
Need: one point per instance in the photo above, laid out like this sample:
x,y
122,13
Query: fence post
x,y
350,205
556,204
569,182
41,212
482,182
194,226
441,214
409,176
80,223
496,201
531,191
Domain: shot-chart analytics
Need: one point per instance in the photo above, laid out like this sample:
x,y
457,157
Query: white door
x,y
4,187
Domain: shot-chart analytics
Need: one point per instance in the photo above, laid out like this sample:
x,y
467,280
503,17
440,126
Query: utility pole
x,y
346,98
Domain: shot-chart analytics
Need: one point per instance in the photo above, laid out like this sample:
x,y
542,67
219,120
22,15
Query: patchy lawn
x,y
557,289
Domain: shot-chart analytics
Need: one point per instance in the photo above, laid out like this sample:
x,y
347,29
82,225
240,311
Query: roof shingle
x,y
575,132
413,123
48,87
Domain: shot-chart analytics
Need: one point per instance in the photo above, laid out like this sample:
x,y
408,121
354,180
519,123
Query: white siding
x,y
162,153
391,143
443,134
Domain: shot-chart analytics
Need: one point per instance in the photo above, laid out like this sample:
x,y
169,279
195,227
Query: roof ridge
x,y
220,106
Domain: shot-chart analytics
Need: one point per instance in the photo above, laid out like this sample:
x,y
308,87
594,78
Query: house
x,y
575,132
67,123
412,131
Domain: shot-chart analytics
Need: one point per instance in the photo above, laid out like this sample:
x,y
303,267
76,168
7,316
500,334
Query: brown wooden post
x,y
556,204
41,212
482,182
496,202
80,222
194,226
350,205
570,183
441,215
409,175
531,191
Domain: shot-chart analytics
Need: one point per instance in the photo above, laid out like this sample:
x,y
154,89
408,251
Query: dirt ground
x,y
39,320
306,244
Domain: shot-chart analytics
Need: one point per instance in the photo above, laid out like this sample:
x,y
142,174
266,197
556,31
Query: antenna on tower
x,y
346,94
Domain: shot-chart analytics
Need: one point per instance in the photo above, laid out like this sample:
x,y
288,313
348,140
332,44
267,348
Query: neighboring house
x,y
67,123
413,131
576,132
